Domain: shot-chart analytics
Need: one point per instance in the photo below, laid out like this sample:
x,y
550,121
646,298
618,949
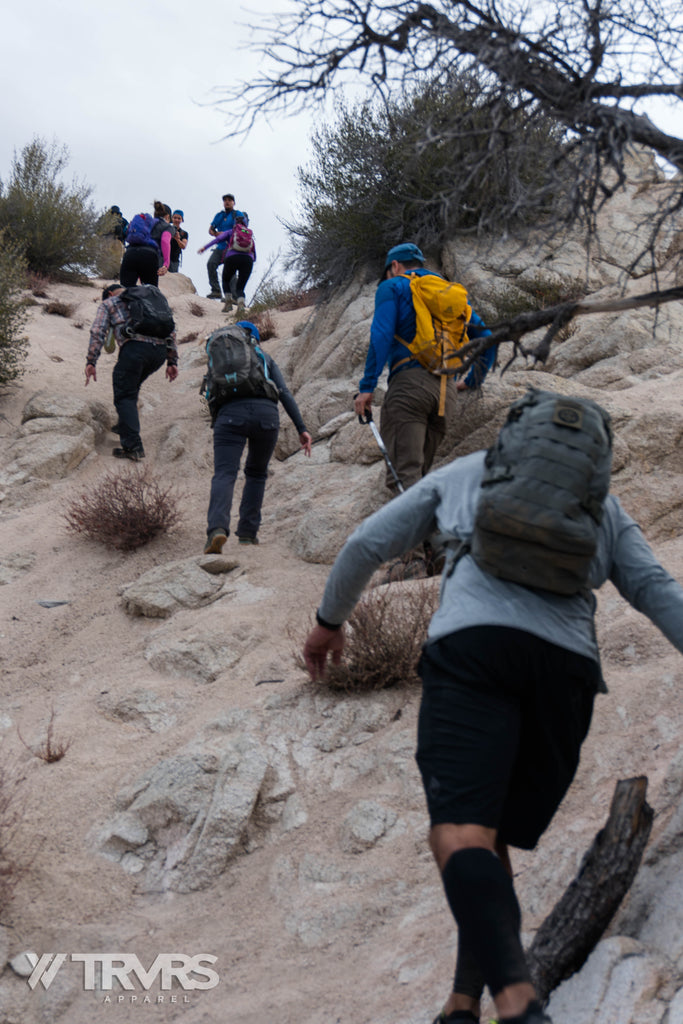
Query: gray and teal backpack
x,y
237,368
542,493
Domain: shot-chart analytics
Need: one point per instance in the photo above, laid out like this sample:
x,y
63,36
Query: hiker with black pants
x,y
511,665
148,254
249,418
140,355
411,424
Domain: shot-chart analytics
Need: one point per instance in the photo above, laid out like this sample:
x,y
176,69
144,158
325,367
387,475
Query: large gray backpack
x,y
542,493
237,368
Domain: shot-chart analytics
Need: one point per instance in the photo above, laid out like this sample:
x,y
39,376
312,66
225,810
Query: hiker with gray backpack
x,y
510,667
242,388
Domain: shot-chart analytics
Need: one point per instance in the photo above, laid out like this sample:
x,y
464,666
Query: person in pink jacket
x,y
148,260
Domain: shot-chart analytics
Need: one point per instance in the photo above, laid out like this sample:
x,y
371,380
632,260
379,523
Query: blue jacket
x,y
225,221
395,314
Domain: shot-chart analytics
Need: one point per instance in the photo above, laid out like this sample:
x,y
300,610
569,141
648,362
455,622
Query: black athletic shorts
x,y
502,720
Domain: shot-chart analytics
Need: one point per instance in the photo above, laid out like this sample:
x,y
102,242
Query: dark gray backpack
x,y
542,493
237,368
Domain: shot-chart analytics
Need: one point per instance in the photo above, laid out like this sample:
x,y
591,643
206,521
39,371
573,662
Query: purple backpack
x,y
140,230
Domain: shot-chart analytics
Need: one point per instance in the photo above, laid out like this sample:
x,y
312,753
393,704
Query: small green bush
x,y
422,167
13,312
55,223
124,510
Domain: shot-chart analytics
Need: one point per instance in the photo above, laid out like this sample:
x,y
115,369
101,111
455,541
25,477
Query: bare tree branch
x,y
554,318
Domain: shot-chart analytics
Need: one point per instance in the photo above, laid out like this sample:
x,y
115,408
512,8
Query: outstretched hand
x,y
319,643
306,442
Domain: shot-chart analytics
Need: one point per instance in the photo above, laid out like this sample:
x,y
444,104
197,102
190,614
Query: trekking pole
x,y
382,446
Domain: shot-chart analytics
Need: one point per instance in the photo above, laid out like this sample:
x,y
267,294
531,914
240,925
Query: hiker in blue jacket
x,y
223,221
410,424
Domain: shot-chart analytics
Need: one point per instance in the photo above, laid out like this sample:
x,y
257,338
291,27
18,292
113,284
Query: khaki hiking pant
x,y
410,425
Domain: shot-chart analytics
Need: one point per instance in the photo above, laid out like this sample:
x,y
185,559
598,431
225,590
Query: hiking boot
x,y
241,304
227,305
214,295
134,454
248,540
215,539
116,429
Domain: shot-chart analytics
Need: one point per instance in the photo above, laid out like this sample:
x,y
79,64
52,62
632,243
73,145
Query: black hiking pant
x,y
137,361
252,421
240,264
139,261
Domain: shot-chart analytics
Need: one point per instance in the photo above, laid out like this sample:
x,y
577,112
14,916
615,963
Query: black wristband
x,y
326,625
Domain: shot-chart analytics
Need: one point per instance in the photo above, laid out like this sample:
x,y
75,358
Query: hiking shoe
x,y
248,540
215,539
116,429
214,295
134,454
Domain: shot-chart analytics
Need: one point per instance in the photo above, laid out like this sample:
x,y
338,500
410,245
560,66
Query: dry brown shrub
x,y
266,324
16,856
51,749
125,510
186,338
298,299
384,638
58,308
38,284
196,309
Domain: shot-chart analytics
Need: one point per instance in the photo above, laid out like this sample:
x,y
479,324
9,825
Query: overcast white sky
x,y
129,88
126,86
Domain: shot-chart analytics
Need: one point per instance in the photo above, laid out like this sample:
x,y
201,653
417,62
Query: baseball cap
x,y
406,252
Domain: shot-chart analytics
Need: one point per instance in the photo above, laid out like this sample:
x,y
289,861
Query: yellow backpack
x,y
441,315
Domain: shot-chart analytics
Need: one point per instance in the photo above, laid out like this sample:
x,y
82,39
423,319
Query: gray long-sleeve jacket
x,y
446,501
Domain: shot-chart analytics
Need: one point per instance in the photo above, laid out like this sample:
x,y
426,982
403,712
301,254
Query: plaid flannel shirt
x,y
113,313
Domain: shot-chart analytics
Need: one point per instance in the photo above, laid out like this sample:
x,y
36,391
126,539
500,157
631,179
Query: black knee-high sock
x,y
468,980
483,902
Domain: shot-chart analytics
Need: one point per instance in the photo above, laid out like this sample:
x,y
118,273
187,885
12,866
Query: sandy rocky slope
x,y
212,802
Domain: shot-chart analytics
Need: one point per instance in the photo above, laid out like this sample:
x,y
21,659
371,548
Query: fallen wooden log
x,y
573,928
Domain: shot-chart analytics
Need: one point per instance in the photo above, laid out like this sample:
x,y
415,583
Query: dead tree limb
x,y
555,317
569,934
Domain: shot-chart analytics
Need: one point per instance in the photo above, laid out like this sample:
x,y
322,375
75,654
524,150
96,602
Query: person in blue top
x,y
410,424
223,221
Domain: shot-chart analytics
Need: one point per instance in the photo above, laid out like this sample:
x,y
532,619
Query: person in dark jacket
x,y
253,421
